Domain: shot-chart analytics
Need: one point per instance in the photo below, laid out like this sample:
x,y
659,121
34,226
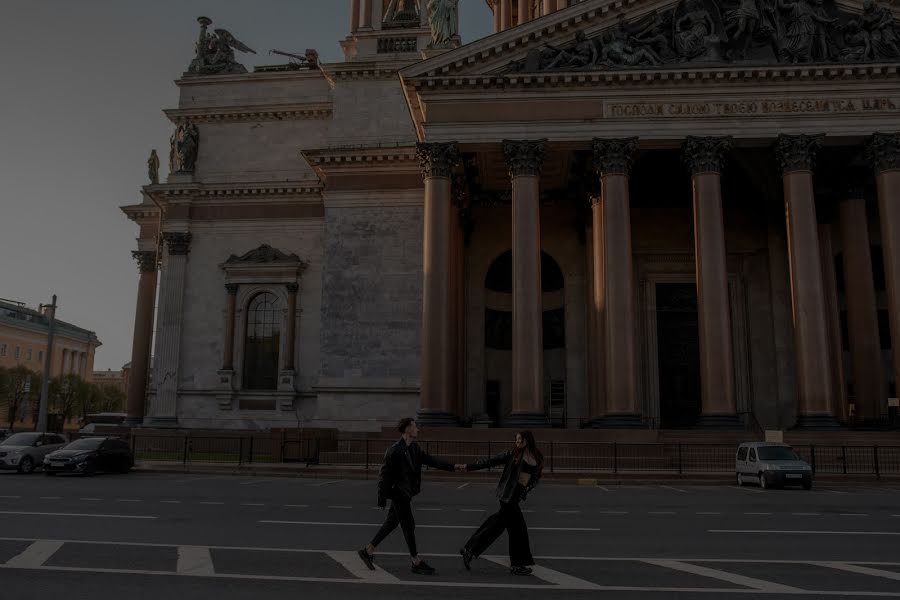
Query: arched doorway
x,y
498,338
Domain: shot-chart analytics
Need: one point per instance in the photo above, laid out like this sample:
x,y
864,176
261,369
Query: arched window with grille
x,y
262,340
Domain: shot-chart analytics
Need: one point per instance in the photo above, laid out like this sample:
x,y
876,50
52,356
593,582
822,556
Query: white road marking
x,y
669,487
353,563
842,566
551,576
418,526
787,531
757,584
604,488
49,498
255,481
895,515
195,560
835,492
52,514
429,509
529,510
35,555
462,486
10,497
472,509
324,483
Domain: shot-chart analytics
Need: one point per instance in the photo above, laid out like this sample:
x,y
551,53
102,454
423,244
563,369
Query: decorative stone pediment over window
x,y
264,263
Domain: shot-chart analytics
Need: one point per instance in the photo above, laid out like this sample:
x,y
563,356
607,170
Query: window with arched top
x,y
262,340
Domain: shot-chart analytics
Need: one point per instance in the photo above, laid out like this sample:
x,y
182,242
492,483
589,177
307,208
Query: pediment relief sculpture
x,y
728,31
264,254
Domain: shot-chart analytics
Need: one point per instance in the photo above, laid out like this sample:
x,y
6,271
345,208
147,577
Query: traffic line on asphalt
x,y
860,570
418,526
429,509
10,497
751,582
353,563
551,576
195,560
34,555
802,532
669,487
324,483
55,514
462,486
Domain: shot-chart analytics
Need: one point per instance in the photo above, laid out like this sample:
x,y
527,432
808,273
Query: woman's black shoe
x,y
423,568
366,558
520,570
467,558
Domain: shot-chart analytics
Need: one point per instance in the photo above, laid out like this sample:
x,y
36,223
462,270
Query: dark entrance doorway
x,y
678,347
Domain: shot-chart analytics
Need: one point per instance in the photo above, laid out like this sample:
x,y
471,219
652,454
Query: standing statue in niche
x,y
185,143
153,167
443,19
215,51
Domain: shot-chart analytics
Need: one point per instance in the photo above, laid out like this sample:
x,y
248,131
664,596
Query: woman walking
x,y
522,470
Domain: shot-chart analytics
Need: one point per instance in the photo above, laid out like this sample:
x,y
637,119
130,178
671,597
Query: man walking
x,y
399,480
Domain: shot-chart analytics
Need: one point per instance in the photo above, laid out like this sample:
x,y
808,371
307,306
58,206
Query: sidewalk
x,y
564,477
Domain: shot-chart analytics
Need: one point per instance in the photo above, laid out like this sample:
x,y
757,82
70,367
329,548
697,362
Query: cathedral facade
x,y
652,213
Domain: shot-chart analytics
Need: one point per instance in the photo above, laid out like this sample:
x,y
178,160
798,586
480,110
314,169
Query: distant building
x,y
116,379
23,341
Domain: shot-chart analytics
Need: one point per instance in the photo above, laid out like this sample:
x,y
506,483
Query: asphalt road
x,y
224,537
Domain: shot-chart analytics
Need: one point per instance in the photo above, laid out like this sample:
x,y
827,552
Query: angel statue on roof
x,y
215,51
443,19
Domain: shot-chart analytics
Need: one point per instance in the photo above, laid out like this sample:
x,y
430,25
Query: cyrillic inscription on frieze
x,y
625,110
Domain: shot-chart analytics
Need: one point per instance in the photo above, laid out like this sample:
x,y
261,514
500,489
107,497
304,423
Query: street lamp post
x,y
45,380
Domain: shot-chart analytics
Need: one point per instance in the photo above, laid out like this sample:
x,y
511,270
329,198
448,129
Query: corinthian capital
x,y
524,157
798,152
179,242
705,154
146,260
614,156
883,151
438,159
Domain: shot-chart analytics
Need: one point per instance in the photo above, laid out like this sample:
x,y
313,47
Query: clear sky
x,y
84,83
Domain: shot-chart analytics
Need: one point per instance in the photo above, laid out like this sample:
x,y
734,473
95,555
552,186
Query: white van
x,y
770,464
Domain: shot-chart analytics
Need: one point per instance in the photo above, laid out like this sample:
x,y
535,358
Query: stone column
x,y
596,366
163,410
62,364
354,15
460,319
614,275
883,152
561,4
549,6
367,14
498,23
228,342
291,330
815,399
524,12
438,161
869,386
525,158
704,156
833,322
505,14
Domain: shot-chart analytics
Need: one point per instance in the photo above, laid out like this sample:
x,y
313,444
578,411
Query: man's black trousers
x,y
400,514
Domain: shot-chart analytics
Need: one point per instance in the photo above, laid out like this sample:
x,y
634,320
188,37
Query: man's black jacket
x,y
401,473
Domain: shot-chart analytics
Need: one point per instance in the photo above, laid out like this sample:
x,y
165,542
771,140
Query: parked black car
x,y
90,455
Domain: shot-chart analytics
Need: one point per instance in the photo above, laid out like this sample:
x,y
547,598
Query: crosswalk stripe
x,y
195,560
757,584
35,555
551,576
353,563
851,568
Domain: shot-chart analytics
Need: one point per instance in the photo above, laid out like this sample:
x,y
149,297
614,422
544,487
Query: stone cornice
x,y
165,193
662,77
139,212
253,77
355,159
364,70
258,112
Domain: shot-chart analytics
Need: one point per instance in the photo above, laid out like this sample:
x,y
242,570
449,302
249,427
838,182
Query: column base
x,y
534,420
436,418
719,422
817,422
622,421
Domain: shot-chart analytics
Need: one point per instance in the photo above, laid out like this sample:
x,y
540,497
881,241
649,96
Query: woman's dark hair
x,y
530,446
404,423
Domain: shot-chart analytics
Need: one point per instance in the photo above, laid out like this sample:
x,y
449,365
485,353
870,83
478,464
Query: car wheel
x,y
740,480
27,465
762,481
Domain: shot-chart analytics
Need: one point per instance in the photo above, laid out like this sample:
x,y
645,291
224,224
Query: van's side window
x,y
752,454
742,453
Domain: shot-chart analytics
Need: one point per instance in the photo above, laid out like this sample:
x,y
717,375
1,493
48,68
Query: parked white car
x,y
23,452
770,464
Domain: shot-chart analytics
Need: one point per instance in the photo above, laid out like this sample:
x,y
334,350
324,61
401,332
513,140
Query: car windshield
x,y
85,444
21,439
777,453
